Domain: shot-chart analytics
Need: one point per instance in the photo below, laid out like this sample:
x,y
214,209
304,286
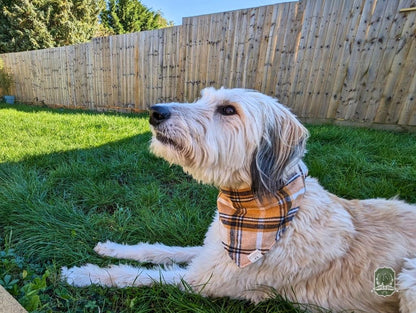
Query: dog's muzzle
x,y
159,114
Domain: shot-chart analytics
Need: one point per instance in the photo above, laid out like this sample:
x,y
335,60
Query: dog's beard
x,y
169,137
169,141
170,146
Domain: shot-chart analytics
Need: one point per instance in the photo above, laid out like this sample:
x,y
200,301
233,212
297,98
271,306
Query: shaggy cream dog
x,y
329,250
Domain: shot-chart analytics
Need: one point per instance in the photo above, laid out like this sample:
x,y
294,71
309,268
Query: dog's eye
x,y
227,110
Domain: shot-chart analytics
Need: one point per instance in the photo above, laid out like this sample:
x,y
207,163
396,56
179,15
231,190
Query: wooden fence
x,y
352,60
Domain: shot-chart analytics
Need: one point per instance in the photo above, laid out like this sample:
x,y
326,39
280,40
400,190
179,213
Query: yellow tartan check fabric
x,y
249,228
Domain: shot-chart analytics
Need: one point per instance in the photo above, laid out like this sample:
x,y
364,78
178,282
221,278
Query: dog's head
x,y
230,138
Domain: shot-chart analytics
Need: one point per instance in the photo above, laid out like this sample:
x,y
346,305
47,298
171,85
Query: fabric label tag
x,y
255,256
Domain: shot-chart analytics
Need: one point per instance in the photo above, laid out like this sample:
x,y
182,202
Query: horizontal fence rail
x,y
346,60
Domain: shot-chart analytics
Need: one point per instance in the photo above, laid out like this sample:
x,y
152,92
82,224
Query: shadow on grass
x,y
59,205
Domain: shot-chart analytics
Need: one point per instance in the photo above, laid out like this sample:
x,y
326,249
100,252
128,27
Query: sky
x,y
174,10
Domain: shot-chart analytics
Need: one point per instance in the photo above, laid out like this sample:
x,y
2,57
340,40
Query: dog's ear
x,y
281,147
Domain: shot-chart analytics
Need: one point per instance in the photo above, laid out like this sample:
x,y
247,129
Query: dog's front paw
x,y
108,248
84,276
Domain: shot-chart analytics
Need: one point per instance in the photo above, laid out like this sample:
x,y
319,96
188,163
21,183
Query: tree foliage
x,y
37,24
128,16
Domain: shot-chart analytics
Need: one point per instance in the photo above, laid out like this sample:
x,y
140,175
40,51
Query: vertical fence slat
x,y
288,52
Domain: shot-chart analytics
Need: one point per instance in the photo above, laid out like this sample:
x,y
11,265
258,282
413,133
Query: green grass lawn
x,y
69,179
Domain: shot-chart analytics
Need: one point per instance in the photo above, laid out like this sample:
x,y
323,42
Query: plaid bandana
x,y
249,228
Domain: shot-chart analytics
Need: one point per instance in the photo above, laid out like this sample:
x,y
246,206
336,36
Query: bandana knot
x,y
250,227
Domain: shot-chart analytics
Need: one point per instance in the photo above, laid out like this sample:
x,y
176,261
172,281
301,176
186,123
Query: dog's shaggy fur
x,y
237,138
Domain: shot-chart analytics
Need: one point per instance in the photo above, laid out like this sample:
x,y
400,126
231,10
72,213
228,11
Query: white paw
x,y
85,275
108,248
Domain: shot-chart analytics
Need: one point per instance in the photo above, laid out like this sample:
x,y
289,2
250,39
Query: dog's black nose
x,y
159,114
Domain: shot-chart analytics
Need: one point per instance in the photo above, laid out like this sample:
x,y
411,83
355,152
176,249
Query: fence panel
x,y
348,60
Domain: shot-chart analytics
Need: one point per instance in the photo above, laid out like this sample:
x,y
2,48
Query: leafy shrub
x,y
21,280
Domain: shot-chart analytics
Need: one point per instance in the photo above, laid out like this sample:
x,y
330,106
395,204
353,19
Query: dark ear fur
x,y
281,147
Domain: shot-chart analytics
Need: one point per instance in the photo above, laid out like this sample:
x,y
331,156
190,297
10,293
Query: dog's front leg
x,y
121,275
143,252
